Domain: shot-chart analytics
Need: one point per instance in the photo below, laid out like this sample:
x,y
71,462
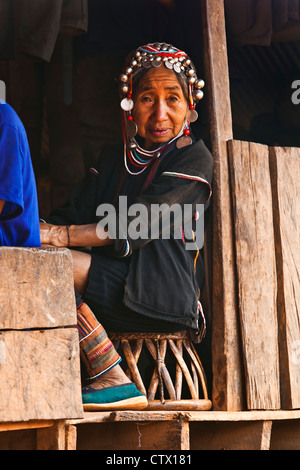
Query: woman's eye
x,y
145,99
173,99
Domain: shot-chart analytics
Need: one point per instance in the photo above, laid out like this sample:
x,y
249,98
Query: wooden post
x,y
51,438
226,360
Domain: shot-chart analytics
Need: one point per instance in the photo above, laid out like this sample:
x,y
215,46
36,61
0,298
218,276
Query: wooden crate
x,y
39,348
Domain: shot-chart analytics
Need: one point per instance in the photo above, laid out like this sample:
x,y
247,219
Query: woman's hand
x,y
55,235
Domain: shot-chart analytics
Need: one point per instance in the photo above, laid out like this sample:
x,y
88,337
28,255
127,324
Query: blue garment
x,y
19,219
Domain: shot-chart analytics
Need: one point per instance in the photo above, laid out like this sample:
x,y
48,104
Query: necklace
x,y
133,155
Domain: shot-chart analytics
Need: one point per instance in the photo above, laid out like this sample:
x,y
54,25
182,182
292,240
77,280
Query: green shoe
x,y
122,397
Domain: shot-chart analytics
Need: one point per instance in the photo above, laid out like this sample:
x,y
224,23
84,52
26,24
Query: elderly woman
x,y
126,281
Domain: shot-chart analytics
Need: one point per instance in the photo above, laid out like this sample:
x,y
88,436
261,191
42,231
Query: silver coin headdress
x,y
154,55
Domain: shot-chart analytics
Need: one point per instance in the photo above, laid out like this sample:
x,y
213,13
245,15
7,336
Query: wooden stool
x,y
188,373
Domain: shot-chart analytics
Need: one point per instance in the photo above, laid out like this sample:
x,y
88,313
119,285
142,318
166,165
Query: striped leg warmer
x,y
97,351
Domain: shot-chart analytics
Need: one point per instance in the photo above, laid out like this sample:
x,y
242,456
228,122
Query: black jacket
x,y
164,277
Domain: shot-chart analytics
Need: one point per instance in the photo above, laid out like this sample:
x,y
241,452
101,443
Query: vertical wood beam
x,y
227,368
52,438
285,175
256,272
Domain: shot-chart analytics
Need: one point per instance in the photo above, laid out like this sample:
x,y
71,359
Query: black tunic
x,y
158,280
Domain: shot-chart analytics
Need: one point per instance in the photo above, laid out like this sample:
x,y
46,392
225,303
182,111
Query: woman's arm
x,y
74,235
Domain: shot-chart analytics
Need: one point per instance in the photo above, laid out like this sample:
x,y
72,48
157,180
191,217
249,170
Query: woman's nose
x,y
160,111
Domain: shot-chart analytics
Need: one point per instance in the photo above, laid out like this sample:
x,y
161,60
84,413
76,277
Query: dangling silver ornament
x,y
192,115
127,104
131,128
183,141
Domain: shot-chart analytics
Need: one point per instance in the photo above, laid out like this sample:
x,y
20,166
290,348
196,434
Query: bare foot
x,y
112,378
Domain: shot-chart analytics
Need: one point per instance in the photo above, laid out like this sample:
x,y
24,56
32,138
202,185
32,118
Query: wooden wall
x,y
255,291
265,191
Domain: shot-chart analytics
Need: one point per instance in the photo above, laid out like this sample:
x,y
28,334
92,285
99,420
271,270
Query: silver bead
x,y
123,77
199,83
133,63
128,70
192,80
198,94
124,89
131,145
191,72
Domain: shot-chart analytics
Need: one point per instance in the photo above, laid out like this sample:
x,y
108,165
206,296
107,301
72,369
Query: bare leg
x,y
81,267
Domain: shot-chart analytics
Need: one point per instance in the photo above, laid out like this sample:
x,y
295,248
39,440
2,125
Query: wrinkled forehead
x,y
159,79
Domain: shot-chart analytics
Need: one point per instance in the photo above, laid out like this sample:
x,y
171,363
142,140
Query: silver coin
x,y
127,104
192,115
168,65
131,128
156,62
146,64
177,68
183,141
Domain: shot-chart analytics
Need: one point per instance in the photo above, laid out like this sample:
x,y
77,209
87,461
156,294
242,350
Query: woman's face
x,y
160,107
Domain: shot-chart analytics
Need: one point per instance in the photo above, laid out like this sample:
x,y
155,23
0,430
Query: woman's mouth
x,y
159,132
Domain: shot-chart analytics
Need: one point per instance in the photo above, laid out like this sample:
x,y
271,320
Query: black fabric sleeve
x,y
160,211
